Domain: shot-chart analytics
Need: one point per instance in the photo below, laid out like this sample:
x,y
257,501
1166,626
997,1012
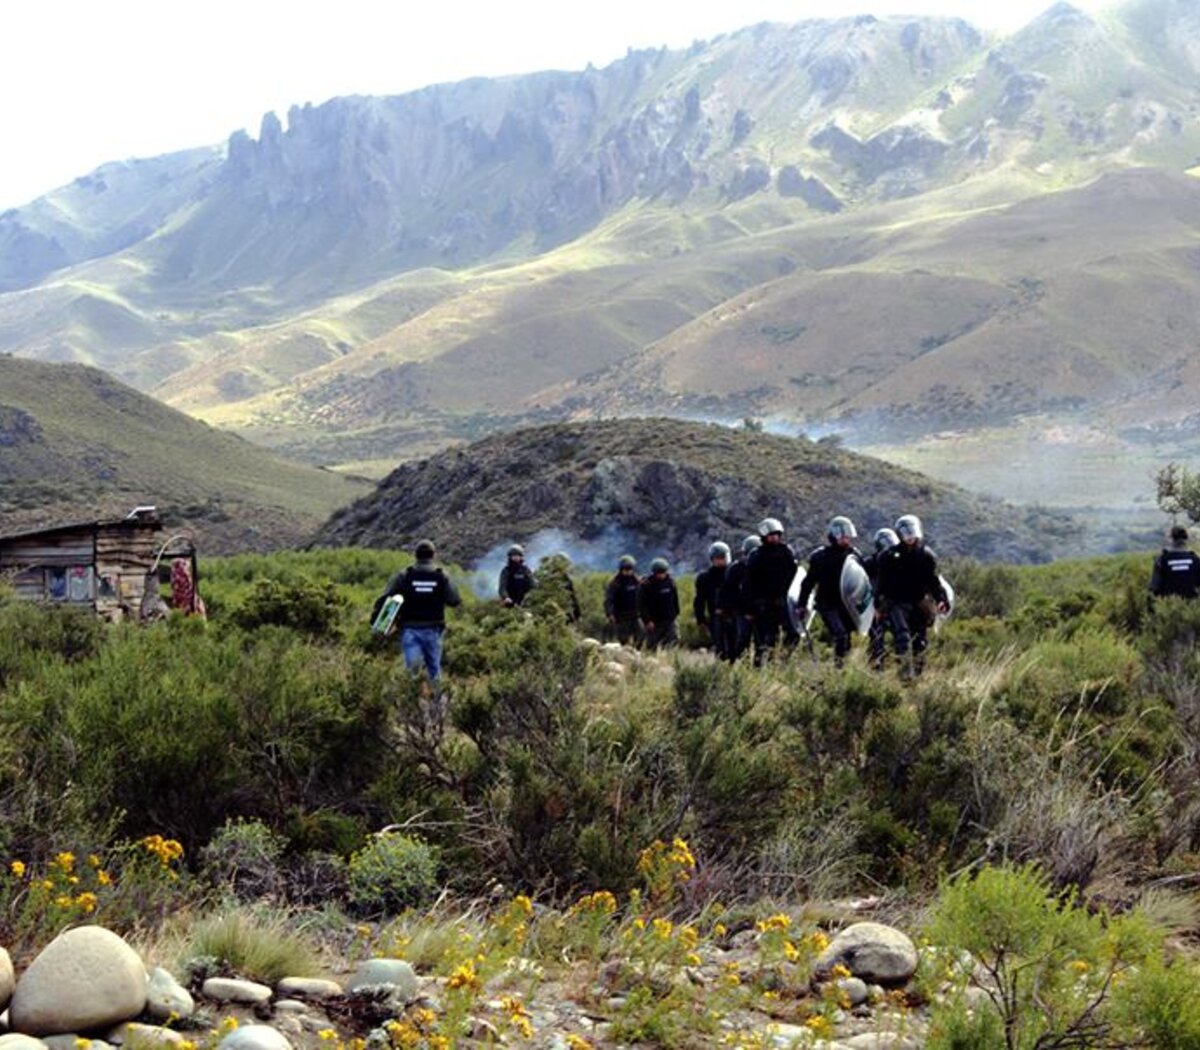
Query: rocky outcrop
x,y
658,486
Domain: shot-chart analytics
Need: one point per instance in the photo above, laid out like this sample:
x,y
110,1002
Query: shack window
x,y
75,583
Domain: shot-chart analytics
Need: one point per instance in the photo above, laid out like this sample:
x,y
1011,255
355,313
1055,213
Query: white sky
x,y
85,82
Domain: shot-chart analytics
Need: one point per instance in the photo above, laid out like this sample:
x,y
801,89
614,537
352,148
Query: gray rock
x,y
873,952
85,978
307,988
230,990
290,1006
880,1041
8,980
855,989
15,1041
395,973
166,998
148,1035
255,1037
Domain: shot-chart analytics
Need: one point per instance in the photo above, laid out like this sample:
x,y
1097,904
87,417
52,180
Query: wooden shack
x,y
101,565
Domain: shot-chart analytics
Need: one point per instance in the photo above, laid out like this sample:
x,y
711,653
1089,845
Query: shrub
x,y
1045,965
302,605
391,873
1158,1003
243,857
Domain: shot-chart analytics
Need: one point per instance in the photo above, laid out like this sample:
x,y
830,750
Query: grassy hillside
x,y
75,443
661,486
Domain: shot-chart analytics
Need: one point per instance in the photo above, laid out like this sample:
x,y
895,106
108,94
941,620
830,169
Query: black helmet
x,y
424,550
627,561
660,565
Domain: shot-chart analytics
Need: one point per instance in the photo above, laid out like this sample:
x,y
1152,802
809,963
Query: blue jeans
x,y
422,646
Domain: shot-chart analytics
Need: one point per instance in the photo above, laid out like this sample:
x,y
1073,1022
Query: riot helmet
x,y
769,527
516,551
750,544
627,561
908,527
660,565
885,539
841,528
719,550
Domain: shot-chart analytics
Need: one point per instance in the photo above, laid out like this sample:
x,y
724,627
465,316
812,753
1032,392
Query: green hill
x,y
76,444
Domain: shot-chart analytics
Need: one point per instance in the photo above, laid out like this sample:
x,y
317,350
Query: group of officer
x,y
746,602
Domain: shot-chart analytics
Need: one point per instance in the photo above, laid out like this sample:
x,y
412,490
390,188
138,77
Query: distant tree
x,y
753,425
1178,492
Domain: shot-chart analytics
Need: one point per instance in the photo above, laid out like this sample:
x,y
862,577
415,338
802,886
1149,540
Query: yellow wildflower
x,y
66,861
720,930
63,901
775,923
577,1042
327,1035
840,971
103,878
17,867
523,903
818,1025
465,977
817,941
81,1043
1080,966
93,860
663,928
46,884
790,951
88,902
692,959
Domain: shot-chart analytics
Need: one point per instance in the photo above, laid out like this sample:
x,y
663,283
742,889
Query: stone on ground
x,y
16,1041
232,990
873,952
390,972
166,998
145,1035
85,978
307,988
255,1037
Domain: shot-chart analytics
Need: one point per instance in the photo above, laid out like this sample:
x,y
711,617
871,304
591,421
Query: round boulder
x,y
394,973
83,979
8,980
873,952
255,1037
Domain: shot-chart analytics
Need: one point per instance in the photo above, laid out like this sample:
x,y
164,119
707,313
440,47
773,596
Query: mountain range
x,y
890,227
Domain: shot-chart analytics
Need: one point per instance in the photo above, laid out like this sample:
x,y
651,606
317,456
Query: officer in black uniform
x,y
706,606
825,577
1176,569
621,602
732,600
516,578
769,574
885,540
658,606
912,593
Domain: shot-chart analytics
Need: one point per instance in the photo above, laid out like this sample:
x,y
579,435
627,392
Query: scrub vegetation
x,y
1041,774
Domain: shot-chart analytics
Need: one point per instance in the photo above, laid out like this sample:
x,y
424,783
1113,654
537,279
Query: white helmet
x,y
770,525
885,539
719,550
750,544
841,528
908,527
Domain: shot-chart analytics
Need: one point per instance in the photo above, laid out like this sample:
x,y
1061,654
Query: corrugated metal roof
x,y
51,530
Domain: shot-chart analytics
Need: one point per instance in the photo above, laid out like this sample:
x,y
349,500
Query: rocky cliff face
x,y
657,486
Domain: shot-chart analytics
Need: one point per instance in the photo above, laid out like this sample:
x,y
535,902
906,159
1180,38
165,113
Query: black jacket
x,y
426,591
769,574
908,575
825,576
516,581
621,597
1176,572
658,600
732,599
708,593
